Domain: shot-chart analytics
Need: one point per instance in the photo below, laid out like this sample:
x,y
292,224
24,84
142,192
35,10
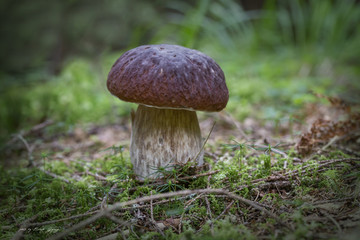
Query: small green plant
x,y
168,186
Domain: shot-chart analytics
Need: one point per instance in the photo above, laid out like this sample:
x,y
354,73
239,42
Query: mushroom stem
x,y
161,138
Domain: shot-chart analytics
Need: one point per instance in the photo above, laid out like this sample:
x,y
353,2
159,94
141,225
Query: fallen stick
x,y
34,129
119,205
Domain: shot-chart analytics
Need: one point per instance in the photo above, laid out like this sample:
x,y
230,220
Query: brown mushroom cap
x,y
169,76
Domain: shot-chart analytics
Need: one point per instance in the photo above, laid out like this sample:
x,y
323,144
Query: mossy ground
x,y
278,68
315,197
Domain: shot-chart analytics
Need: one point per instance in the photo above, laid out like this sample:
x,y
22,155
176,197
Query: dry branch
x,y
34,129
119,205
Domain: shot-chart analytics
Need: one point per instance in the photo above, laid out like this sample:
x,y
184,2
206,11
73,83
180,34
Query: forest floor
x,y
80,184
281,162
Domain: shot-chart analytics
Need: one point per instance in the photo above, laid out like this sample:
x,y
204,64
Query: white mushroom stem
x,y
161,138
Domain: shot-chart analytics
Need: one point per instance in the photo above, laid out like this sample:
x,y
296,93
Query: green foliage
x,y
68,28
320,27
277,48
78,94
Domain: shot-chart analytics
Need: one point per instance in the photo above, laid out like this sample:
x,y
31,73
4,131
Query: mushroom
x,y
169,83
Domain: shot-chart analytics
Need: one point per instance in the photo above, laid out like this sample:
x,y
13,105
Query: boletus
x,y
169,83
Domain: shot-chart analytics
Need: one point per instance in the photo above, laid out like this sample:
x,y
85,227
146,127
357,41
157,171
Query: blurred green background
x,y
55,55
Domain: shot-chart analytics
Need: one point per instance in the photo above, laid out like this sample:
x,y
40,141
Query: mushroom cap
x,y
169,76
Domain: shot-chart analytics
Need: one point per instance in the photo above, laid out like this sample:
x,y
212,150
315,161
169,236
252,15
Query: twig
x,y
12,209
103,202
32,130
94,208
187,204
53,175
208,209
122,233
199,175
19,234
151,209
282,180
112,236
322,164
39,224
331,219
333,200
31,160
137,206
97,176
225,210
132,230
284,176
348,150
28,148
228,117
209,178
119,205
275,150
152,220
207,138
331,142
115,219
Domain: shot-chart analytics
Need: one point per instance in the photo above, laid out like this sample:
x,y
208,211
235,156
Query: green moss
x,y
58,167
